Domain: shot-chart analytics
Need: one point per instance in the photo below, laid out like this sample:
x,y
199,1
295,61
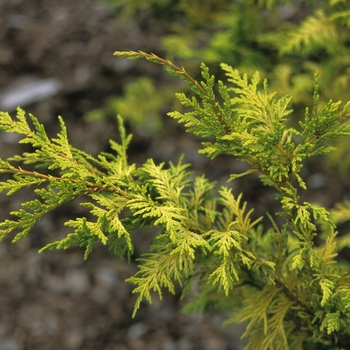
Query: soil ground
x,y
57,300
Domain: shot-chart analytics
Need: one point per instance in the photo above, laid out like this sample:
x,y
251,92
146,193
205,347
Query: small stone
x,y
137,330
27,90
10,344
77,282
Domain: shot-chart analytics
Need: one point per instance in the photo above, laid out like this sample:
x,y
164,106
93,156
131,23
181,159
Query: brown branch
x,y
93,186
156,59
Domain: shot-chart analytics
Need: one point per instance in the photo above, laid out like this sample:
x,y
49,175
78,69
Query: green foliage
x,y
321,39
231,36
291,292
140,105
196,12
285,39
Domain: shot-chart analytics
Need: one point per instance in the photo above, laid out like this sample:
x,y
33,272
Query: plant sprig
x,y
289,290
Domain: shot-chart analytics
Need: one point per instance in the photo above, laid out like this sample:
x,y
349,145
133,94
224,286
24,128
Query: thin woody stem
x,y
156,59
93,186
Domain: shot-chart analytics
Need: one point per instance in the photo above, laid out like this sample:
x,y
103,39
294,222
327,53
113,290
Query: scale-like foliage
x,y
317,31
289,290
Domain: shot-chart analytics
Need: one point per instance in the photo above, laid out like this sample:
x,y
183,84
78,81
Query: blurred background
x,y
56,58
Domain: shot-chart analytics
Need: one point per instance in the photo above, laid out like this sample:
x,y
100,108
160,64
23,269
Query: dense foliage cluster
x,y
285,40
291,292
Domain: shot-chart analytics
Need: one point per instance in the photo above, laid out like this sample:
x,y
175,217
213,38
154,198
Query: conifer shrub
x,y
285,40
284,281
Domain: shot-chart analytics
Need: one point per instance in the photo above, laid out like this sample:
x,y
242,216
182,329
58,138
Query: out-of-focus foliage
x,y
196,12
141,106
288,39
285,40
